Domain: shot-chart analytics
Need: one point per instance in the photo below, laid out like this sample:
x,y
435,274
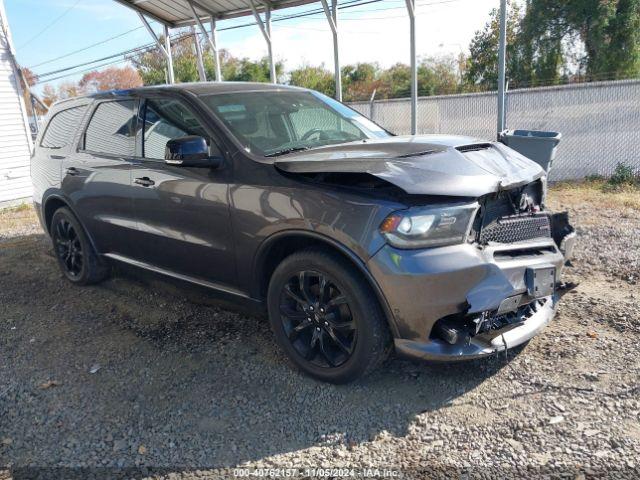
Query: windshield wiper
x,y
285,151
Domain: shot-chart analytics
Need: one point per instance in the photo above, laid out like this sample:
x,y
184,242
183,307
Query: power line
x,y
107,64
88,47
47,27
349,4
151,46
140,49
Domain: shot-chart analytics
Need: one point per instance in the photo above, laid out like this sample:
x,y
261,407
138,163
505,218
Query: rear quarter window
x,y
111,129
62,128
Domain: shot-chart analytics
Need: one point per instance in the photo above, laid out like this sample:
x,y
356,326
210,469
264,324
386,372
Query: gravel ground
x,y
130,378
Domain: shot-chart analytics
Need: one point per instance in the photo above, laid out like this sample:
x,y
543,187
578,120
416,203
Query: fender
x,y
55,194
355,259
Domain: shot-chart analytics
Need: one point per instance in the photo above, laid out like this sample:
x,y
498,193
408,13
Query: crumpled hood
x,y
424,164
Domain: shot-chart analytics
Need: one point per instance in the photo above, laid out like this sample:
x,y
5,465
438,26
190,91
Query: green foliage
x,y
594,178
152,66
482,65
436,76
316,78
624,175
557,41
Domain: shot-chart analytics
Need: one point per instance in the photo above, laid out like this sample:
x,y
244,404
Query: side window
x,y
164,120
111,129
62,127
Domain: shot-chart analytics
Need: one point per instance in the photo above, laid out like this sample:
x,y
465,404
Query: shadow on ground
x,y
178,383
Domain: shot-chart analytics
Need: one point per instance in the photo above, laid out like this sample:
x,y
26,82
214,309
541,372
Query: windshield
x,y
277,123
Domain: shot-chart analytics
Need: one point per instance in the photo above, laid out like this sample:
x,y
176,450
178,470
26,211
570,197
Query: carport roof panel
x,y
176,13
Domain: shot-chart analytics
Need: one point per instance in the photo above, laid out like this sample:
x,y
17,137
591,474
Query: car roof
x,y
196,88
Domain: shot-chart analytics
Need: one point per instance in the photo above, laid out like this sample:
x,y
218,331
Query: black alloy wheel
x,y
317,319
326,317
68,248
76,256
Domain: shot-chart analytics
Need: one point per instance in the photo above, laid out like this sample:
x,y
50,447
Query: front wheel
x,y
326,317
76,256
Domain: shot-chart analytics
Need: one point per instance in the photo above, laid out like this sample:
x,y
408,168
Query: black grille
x,y
516,229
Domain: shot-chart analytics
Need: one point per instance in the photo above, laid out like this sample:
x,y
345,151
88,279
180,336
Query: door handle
x,y
72,171
144,181
57,157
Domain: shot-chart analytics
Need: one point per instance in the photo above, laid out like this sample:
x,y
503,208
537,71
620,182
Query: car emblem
x,y
526,202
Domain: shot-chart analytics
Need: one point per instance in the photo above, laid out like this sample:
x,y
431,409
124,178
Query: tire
x,y
76,257
351,333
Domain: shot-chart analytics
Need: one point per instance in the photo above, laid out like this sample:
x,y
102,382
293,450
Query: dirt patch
x,y
140,377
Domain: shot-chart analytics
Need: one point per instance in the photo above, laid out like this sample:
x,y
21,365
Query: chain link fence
x,y
599,121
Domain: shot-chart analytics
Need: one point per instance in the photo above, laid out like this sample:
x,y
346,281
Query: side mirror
x,y
191,151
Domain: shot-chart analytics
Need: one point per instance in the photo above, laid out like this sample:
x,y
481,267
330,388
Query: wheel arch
x,y
54,202
50,206
280,245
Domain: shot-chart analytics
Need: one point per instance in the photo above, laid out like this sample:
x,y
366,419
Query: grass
x,y
598,191
12,218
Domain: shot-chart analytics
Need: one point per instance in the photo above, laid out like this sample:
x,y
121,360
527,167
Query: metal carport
x,y
182,13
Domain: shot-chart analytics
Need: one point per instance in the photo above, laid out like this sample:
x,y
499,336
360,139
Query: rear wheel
x,y
325,316
76,257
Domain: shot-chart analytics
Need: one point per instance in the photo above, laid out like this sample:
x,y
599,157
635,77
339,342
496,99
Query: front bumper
x,y
424,286
478,346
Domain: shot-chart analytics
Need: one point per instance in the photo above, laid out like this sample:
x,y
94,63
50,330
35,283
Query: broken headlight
x,y
429,226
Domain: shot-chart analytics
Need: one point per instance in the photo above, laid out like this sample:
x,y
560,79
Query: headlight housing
x,y
429,226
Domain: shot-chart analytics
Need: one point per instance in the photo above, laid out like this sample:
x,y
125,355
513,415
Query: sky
x,y
43,30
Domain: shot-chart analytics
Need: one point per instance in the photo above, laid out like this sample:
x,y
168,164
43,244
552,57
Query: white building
x,y
15,135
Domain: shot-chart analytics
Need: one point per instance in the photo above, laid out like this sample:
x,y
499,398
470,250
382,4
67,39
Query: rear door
x,y
97,177
56,144
183,212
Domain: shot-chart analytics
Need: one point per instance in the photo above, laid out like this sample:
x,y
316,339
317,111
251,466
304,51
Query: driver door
x,y
182,213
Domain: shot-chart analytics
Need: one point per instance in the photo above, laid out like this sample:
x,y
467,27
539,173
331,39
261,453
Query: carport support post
x,y
502,47
201,72
216,53
210,38
265,28
332,18
166,49
411,9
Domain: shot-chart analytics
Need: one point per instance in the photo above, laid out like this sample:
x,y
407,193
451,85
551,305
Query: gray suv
x,y
353,240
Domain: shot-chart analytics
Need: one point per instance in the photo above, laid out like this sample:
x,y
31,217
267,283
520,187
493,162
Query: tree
x,y
28,80
246,70
437,76
49,95
152,66
360,80
316,78
481,71
69,90
396,82
556,40
30,77
110,79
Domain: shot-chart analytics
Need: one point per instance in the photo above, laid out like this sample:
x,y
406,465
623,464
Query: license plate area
x,y
540,280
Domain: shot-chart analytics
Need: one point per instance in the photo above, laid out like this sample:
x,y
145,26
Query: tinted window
x,y
111,129
62,127
166,119
308,119
273,123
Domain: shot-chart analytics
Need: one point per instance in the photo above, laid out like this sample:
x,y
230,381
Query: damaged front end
x,y
486,331
494,292
505,223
